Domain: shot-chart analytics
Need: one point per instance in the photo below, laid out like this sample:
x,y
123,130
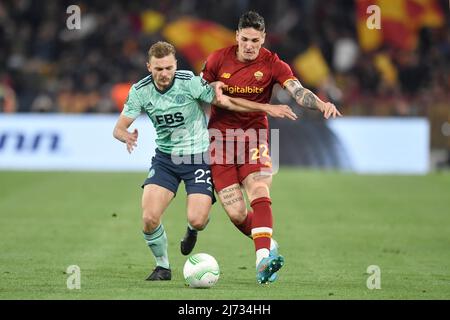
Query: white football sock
x,y
261,254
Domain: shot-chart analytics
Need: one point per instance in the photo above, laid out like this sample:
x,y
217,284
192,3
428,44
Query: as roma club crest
x,y
258,75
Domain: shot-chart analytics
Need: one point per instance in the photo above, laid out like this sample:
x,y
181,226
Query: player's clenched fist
x,y
218,87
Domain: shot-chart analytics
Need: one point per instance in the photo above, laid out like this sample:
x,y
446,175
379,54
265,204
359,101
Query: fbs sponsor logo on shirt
x,y
170,120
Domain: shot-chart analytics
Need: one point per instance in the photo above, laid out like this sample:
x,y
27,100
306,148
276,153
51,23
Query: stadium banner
x,y
369,145
71,142
384,145
85,142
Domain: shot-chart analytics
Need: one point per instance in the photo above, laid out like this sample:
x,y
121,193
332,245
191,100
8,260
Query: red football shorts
x,y
233,161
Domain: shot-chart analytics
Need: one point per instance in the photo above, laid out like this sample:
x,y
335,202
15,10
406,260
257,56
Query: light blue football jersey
x,y
176,113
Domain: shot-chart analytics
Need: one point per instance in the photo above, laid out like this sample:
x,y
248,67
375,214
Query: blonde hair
x,y
161,49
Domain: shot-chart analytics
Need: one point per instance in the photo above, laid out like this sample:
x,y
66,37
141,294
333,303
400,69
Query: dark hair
x,y
253,20
161,49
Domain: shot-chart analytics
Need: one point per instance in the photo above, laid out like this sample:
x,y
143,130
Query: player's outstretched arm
x,y
307,99
243,105
121,132
273,110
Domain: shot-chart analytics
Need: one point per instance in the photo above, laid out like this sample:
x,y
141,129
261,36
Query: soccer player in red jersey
x,y
250,71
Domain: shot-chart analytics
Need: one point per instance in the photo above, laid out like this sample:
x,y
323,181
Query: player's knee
x,y
258,191
150,223
237,215
150,218
198,223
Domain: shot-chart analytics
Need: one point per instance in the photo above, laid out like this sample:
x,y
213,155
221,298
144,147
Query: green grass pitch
x,y
330,227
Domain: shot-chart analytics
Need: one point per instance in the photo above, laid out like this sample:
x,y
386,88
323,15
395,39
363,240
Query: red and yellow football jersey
x,y
252,80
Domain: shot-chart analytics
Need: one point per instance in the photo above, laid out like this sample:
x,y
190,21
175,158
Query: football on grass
x,y
201,270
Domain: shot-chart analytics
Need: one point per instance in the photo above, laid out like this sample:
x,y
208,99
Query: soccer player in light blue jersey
x,y
171,99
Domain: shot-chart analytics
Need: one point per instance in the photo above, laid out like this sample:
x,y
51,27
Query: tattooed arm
x,y
307,99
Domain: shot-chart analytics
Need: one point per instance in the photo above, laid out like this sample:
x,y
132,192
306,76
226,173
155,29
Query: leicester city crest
x,y
179,99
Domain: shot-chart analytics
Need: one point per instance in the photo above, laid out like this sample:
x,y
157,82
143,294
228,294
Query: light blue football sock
x,y
157,242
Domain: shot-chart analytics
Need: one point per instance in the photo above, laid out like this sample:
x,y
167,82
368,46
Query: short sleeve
x,y
132,107
209,71
282,72
201,90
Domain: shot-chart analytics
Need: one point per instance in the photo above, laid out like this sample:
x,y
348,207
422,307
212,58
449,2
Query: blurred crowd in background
x,y
400,70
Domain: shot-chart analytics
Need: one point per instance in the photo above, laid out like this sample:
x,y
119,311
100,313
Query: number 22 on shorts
x,y
261,152
200,173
